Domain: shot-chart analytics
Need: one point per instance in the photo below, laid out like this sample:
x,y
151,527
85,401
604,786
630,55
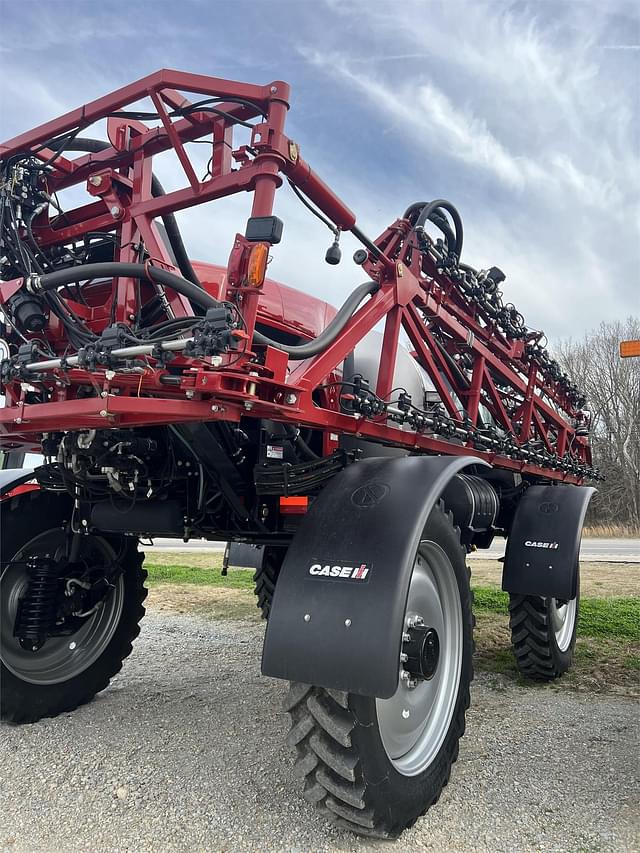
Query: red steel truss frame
x,y
470,361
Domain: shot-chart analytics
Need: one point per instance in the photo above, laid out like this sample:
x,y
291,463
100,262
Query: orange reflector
x,y
295,505
629,348
257,266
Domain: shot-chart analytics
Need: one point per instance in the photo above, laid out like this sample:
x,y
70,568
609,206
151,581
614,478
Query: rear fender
x,y
14,481
543,547
338,608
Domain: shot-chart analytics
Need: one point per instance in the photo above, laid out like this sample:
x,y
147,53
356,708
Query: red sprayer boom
x,y
178,398
76,322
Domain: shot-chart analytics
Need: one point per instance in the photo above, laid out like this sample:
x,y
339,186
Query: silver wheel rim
x,y
413,723
60,658
563,620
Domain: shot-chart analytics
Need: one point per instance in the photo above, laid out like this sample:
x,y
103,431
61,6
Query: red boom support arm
x,y
472,358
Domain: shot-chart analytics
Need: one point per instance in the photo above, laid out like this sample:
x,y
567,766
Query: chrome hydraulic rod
x,y
122,352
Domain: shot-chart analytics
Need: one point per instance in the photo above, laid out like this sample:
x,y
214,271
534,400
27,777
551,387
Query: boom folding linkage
x,y
109,326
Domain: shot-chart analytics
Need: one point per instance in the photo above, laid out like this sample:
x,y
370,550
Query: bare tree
x,y
612,386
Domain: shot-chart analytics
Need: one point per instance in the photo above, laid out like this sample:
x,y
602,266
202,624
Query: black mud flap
x,y
242,555
543,548
336,617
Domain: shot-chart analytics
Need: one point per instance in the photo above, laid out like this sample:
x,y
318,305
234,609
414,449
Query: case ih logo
x,y
370,494
343,573
551,545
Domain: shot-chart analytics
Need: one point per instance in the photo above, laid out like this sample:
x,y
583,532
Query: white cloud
x,y
208,230
518,112
518,109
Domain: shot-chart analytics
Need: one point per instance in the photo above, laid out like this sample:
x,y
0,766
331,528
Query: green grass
x,y
607,655
490,599
606,617
236,579
599,617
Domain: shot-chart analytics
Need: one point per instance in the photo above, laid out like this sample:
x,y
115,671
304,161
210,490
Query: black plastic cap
x,y
334,254
28,312
264,229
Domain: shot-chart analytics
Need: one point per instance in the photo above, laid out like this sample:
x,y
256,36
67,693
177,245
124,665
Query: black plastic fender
x,y
543,547
337,612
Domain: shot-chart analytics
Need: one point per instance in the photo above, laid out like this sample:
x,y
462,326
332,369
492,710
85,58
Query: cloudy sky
x,y
524,114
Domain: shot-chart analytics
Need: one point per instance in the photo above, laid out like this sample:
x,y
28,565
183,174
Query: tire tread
x,y
19,712
533,641
331,765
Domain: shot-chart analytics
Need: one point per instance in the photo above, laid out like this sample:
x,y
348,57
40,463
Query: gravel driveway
x,y
184,752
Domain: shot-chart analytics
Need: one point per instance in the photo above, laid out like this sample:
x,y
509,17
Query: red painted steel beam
x,y
494,369
141,411
501,414
363,321
389,351
95,110
426,359
320,194
110,411
441,316
176,142
473,394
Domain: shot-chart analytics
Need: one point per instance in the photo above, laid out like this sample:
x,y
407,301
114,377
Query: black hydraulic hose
x,y
189,285
294,434
308,452
414,208
431,208
453,367
437,217
441,222
371,246
328,335
93,146
428,210
71,275
175,237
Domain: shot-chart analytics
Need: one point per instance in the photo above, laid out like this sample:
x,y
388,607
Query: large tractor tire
x,y
373,766
543,634
76,654
265,578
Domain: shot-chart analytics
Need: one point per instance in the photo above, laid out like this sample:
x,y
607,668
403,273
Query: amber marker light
x,y
257,266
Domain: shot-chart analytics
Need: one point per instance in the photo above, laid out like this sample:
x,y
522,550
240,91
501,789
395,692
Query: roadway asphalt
x,y
592,550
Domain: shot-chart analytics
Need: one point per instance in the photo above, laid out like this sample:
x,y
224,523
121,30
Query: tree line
x,y
612,386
